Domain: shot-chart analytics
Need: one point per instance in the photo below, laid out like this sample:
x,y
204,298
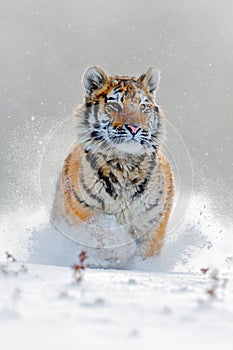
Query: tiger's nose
x,y
133,128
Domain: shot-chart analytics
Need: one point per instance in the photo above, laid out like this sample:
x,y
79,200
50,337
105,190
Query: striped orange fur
x,y
117,166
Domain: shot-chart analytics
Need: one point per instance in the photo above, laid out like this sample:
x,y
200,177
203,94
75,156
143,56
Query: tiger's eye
x,y
143,107
113,106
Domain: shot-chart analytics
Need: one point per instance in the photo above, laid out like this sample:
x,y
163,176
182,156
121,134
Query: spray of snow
x,y
199,241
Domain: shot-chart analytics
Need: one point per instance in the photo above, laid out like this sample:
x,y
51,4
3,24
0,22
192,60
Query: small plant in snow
x,y
78,269
216,282
10,257
5,268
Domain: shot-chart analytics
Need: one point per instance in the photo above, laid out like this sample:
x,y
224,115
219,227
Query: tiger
x,y
117,167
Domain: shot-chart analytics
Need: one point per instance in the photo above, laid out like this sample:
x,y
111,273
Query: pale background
x,y
46,45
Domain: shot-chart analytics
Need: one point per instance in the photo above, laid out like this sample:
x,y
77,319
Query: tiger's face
x,y
119,114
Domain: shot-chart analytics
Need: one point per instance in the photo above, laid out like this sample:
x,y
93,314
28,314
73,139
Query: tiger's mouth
x,y
141,142
139,137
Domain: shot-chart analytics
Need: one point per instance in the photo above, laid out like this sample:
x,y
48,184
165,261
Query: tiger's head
x,y
119,114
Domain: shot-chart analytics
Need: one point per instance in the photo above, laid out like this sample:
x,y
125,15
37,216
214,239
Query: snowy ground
x,y
162,302
44,307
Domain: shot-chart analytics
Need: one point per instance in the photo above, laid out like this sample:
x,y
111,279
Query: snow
x,y
45,307
164,301
198,241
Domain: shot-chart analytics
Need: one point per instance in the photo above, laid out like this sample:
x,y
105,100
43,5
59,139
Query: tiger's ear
x,y
93,79
151,79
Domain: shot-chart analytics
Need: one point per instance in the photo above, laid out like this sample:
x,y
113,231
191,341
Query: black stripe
x,y
117,89
82,201
109,188
110,99
88,104
96,135
142,186
87,113
89,190
92,159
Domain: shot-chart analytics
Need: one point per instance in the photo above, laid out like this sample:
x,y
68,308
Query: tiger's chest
x,y
126,189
